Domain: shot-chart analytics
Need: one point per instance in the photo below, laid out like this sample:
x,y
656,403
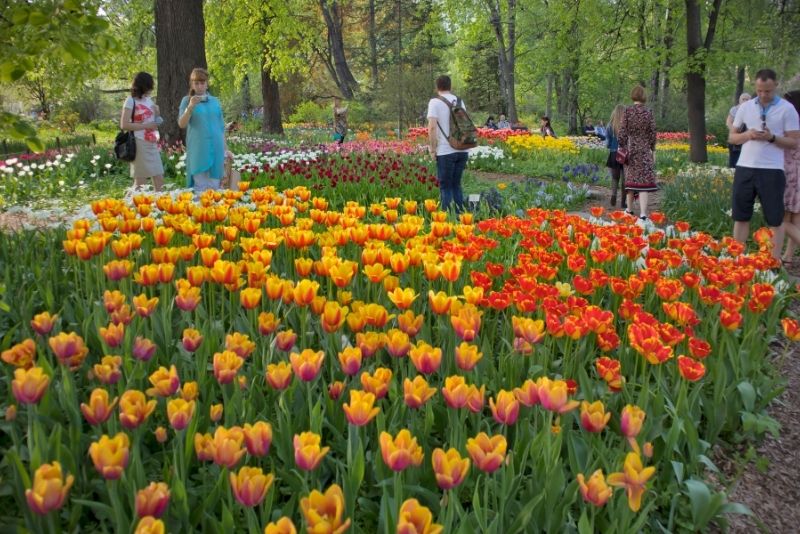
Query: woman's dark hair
x,y
794,99
546,119
142,84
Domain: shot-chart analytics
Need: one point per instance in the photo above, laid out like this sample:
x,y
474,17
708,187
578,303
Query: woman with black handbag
x,y
141,116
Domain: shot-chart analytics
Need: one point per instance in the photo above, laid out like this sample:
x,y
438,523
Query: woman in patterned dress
x,y
638,134
791,195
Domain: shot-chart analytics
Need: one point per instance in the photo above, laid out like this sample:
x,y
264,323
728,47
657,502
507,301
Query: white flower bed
x,y
272,159
486,152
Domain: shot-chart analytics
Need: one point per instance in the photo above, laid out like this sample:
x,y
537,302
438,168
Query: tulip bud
x,y
152,500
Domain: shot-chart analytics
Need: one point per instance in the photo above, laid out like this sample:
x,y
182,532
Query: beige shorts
x,y
148,160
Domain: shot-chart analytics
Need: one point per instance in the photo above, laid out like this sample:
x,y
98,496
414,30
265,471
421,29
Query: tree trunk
x,y
739,84
333,21
247,105
373,45
506,59
669,40
697,49
270,93
548,109
180,47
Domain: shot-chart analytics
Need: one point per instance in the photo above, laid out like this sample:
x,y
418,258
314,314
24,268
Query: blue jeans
x,y
449,169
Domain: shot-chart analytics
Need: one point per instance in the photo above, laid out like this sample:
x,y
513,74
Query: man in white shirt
x,y
772,127
450,163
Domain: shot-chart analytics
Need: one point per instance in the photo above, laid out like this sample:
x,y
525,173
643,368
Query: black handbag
x,y
125,142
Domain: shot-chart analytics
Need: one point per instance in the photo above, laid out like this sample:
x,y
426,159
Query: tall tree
x,y
503,22
337,64
698,49
180,47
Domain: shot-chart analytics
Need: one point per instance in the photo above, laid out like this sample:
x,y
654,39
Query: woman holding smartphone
x,y
206,149
140,115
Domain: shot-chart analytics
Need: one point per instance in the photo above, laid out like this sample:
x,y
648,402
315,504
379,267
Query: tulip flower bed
x,y
704,194
269,360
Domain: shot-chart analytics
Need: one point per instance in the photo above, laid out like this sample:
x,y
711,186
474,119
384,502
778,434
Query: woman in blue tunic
x,y
206,150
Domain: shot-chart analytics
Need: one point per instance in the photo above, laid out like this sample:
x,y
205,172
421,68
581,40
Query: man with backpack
x,y
451,134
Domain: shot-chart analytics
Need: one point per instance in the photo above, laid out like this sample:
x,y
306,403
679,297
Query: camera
x,y
204,98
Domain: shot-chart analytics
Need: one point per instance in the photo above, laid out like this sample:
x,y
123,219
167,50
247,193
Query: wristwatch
x,y
773,138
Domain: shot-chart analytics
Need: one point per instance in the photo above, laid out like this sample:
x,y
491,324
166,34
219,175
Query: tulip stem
x,y
398,493
116,505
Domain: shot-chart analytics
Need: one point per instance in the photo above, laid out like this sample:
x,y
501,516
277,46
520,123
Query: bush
x,y
311,112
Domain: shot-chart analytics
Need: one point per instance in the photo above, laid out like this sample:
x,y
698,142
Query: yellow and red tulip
x,y
553,395
361,409
180,413
307,364
150,525
49,489
110,455
401,451
283,525
633,478
250,485
449,467
594,417
99,408
324,512
69,348
426,359
20,355
258,438
165,382
595,490
307,451
29,385
377,383
416,519
505,409
134,409
417,392
152,500
279,375
487,453
226,365
43,323
467,356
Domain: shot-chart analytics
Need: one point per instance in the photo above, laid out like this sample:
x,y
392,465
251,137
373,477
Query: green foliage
x,y
312,113
67,31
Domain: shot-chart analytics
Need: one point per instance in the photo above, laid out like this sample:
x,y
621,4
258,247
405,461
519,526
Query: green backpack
x,y
463,134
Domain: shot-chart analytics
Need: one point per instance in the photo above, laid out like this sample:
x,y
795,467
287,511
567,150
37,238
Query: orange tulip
x,y
528,394
279,375
152,500
49,489
690,369
633,478
99,409
227,446
439,302
401,451
144,307
370,343
466,322
417,392
110,455
20,355
450,469
333,316
593,416
397,343
188,299
150,525
595,491
250,485
506,409
191,339
215,412
283,525
307,451
360,410
487,453
323,512
791,329
134,409
69,349
426,359
350,360
43,323
416,519
165,382
285,340
307,364
180,413
240,344
29,385
258,438
250,297
108,371
467,356
267,323
553,395
409,323
226,365
631,421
